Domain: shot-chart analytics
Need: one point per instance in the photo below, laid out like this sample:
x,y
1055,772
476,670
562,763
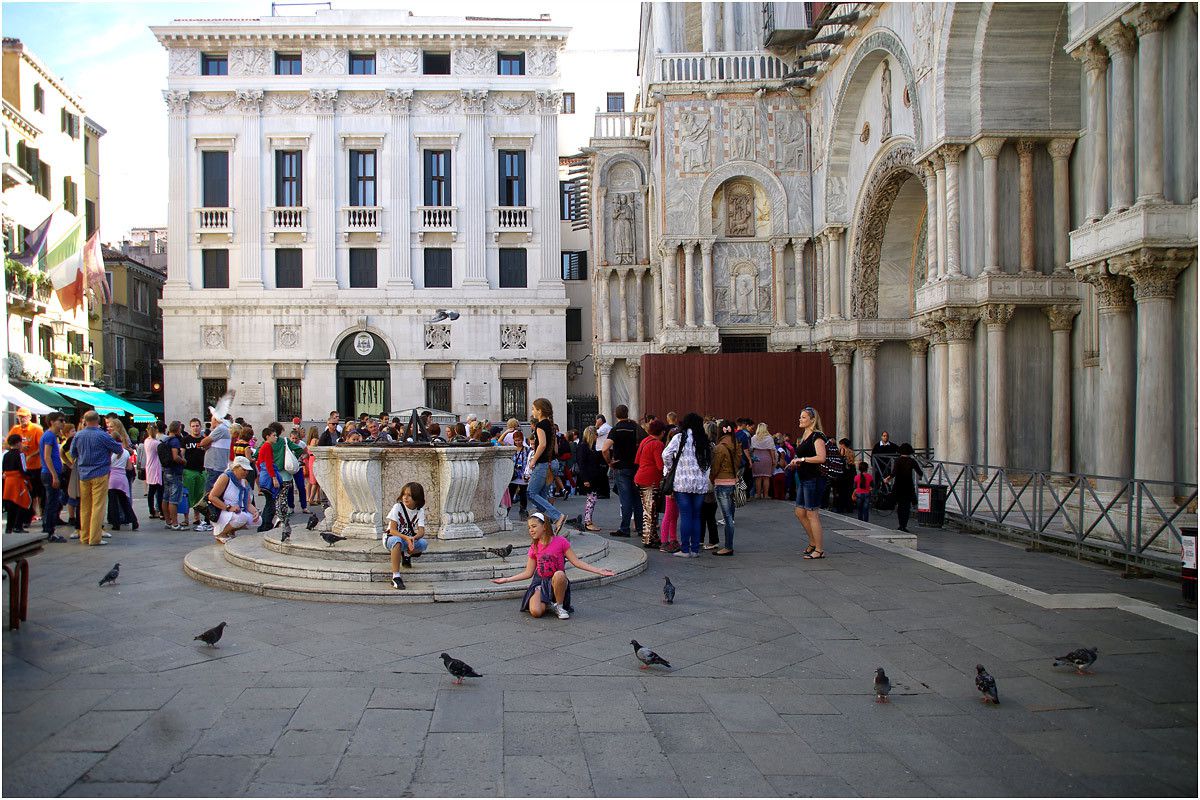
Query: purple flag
x,y
35,244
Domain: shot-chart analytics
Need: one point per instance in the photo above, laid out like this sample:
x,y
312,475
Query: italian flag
x,y
63,260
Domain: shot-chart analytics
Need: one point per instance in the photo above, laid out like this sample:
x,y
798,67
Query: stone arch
x,y
354,331
621,161
873,50
776,195
893,166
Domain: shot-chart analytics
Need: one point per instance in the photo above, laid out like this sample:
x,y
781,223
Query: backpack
x,y
834,467
164,454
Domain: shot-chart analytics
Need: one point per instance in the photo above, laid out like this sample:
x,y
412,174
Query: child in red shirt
x,y
862,491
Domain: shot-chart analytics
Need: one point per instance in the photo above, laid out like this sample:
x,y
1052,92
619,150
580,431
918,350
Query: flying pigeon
x,y
647,656
212,635
111,577
883,686
312,521
458,668
668,591
1082,658
332,538
986,684
442,314
223,405
500,552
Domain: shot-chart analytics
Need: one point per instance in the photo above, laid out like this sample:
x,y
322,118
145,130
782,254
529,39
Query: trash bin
x,y
931,505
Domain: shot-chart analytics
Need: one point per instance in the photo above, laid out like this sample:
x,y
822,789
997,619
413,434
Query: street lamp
x,y
58,326
88,355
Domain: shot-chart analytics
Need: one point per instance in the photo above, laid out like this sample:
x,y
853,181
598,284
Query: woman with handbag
x,y
647,479
810,454
592,476
708,508
726,467
686,462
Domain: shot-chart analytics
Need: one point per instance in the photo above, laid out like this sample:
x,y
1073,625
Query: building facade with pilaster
x,y
337,178
984,212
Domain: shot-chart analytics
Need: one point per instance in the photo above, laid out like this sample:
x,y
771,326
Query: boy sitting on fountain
x,y
405,536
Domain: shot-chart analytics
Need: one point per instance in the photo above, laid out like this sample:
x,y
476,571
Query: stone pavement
x,y
105,693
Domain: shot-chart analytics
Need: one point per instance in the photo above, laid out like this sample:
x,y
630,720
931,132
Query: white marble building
x,y
334,179
984,212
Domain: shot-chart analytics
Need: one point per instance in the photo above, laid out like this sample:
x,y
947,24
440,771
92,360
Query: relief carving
x,y
322,101
249,61
510,103
514,337
624,237
885,91
739,210
176,100
789,136
212,103
475,61
694,129
742,142
285,103
325,60
879,194
183,62
542,61
437,337
397,101
400,60
287,337
249,101
437,102
359,102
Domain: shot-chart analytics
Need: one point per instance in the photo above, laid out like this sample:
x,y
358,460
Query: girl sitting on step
x,y
405,536
548,555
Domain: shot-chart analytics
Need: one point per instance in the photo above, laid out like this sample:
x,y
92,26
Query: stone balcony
x,y
214,220
512,219
618,125
1025,288
287,219
749,67
362,219
1147,225
436,219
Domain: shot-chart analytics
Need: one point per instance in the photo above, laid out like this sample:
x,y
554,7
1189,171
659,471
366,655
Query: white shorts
x,y
237,521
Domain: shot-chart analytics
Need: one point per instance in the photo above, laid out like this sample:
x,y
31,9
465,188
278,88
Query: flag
x,y
93,268
35,243
64,258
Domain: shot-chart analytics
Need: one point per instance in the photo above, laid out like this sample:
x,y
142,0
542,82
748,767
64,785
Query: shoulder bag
x,y
668,484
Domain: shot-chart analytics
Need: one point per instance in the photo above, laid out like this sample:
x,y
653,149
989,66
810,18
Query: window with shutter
x,y
512,177
363,274
439,273
216,269
437,178
513,268
362,177
215,178
289,268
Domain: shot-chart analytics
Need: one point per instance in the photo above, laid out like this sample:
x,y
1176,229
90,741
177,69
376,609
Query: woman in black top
x,y
903,485
538,469
810,454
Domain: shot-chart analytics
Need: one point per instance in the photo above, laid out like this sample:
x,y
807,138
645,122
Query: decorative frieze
x,y
475,61
541,61
399,60
244,61
514,337
212,337
325,60
183,62
437,337
287,337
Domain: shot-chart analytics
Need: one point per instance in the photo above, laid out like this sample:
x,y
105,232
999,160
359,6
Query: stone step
x,y
211,565
309,544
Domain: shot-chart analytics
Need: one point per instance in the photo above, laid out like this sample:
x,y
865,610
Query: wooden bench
x,y
17,549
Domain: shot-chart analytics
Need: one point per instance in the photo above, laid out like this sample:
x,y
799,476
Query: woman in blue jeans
x,y
810,491
726,466
692,450
538,467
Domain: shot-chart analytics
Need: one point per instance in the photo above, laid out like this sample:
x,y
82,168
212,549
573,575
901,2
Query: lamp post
x,y
87,356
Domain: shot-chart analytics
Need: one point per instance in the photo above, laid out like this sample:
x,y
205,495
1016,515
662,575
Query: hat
x,y
295,420
538,515
244,463
23,410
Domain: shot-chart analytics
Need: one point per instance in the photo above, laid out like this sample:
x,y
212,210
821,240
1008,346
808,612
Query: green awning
x,y
43,393
106,403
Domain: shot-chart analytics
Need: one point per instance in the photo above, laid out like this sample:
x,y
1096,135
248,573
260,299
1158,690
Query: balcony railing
x,y
362,219
617,125
214,220
437,219
513,219
730,67
288,219
21,290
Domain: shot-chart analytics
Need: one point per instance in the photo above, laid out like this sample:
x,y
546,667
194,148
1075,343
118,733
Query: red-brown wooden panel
x,y
767,387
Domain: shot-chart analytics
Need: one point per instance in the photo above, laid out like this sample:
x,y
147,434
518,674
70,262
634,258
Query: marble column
x,y
1060,153
661,19
1025,148
939,166
640,317
1062,319
473,211
941,357
623,314
603,309
801,286
708,28
689,283
1095,62
250,201
706,280
1114,301
989,150
835,272
842,355
669,277
180,274
1120,43
996,317
1149,19
960,333
950,154
931,227
399,103
1154,272
867,351
604,382
550,230
918,401
656,303
633,368
323,197
819,278
778,246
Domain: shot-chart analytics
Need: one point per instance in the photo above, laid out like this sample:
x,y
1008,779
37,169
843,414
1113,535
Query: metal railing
x,y
733,66
617,124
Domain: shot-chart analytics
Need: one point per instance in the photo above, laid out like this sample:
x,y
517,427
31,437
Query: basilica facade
x,y
985,213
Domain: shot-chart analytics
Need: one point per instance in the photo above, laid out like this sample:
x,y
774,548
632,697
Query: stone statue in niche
x,y
739,210
741,134
624,238
745,291
693,132
885,90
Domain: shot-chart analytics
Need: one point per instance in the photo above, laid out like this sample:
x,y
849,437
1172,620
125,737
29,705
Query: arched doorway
x,y
363,375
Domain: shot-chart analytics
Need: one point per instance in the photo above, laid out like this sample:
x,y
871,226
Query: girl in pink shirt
x,y
548,556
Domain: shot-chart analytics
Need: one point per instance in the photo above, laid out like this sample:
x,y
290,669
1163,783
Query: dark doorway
x,y
363,376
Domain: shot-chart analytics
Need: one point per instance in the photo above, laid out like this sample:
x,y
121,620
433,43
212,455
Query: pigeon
x,y
500,552
648,656
442,314
986,684
668,591
111,577
312,521
286,533
332,538
212,635
458,668
1082,658
883,686
223,405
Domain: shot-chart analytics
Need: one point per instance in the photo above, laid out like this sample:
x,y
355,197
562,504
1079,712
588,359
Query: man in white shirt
x,y
602,429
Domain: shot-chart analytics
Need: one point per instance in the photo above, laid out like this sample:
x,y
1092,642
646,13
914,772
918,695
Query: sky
x,y
106,55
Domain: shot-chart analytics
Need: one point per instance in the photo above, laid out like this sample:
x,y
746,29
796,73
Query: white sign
x,y
924,499
1189,552
364,343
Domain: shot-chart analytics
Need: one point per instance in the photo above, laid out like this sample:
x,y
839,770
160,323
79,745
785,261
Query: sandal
x,y
559,523
808,550
592,527
815,554
722,552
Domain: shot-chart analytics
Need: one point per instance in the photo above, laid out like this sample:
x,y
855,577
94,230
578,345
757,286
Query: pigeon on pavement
x,y
647,656
986,684
332,538
500,552
111,577
883,686
458,669
312,521
1081,658
285,534
668,590
212,635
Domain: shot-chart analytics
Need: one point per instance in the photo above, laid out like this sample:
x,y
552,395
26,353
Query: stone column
x,y
179,212
603,309
1025,148
656,307
801,287
941,356
623,314
323,198
689,283
1095,61
250,204
1154,272
706,279
604,383
960,333
548,103
708,27
819,278
1062,319
1119,41
1149,19
932,217
867,350
950,154
670,275
989,149
633,368
399,102
939,167
780,283
1114,300
473,206
997,317
919,402
842,354
730,24
835,272
640,317
661,18
1060,152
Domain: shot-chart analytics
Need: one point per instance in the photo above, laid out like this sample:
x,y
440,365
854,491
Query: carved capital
x,y
605,365
633,369
918,347
1119,39
474,101
1026,148
249,101
1062,317
990,146
707,349
960,327
1153,270
177,101
706,247
1060,148
777,245
930,171
667,248
397,101
950,153
1150,17
841,353
1113,291
868,348
998,314
1093,55
322,101
798,243
548,102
